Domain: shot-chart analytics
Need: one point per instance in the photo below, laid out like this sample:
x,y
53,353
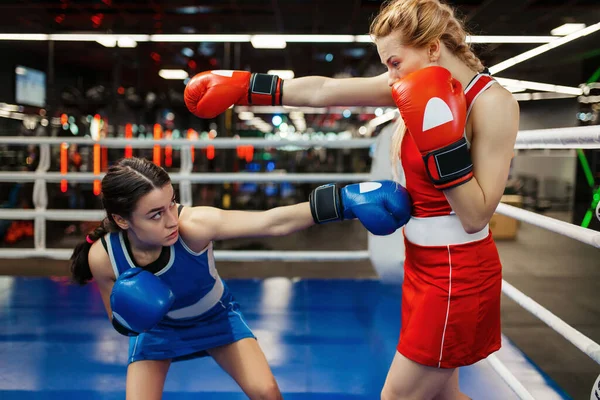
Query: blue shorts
x,y
223,324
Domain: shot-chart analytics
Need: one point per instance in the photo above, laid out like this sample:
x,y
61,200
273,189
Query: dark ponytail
x,y
123,185
80,267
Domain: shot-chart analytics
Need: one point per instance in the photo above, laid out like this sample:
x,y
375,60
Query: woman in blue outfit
x,y
156,273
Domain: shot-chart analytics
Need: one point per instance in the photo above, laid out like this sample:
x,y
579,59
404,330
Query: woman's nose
x,y
172,220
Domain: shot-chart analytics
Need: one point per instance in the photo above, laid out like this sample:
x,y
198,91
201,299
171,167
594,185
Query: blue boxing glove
x,y
381,206
139,300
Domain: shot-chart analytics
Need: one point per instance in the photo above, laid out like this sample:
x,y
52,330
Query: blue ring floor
x,y
324,339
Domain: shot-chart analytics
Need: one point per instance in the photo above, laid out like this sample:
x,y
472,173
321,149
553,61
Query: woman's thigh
x,y
246,363
407,379
146,379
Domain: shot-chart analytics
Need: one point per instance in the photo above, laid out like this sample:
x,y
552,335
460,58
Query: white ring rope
x,y
579,340
559,138
583,137
220,255
52,215
217,143
509,378
587,236
216,177
276,255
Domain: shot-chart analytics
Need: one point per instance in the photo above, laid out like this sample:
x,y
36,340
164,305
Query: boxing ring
x,y
325,340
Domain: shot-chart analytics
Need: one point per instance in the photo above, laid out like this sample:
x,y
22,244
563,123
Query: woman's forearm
x,y
288,219
469,203
319,91
304,91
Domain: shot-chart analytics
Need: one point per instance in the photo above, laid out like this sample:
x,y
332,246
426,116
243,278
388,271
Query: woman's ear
x,y
434,50
120,221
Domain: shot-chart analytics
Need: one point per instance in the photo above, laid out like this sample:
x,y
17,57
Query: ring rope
x,y
509,378
220,255
579,340
585,235
216,177
582,137
559,138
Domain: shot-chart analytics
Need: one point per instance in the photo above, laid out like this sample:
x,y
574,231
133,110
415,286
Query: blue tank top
x,y
192,277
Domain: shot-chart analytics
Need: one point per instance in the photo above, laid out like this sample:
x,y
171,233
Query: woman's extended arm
x,y
204,224
319,91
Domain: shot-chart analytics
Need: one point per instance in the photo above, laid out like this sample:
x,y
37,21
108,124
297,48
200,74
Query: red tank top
x,y
428,201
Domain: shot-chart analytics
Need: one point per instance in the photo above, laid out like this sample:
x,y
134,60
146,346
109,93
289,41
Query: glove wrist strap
x,y
449,166
120,326
325,204
265,90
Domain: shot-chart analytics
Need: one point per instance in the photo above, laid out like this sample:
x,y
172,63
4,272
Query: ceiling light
x,y
282,73
186,51
509,39
268,42
173,74
94,37
78,37
190,10
23,36
108,41
200,38
566,29
112,41
543,48
244,38
126,42
484,39
319,38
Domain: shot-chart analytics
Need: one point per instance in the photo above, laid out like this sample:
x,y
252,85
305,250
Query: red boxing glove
x,y
210,93
434,109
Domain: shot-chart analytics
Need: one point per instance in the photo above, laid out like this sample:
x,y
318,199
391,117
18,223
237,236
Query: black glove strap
x,y
325,204
451,162
121,329
265,84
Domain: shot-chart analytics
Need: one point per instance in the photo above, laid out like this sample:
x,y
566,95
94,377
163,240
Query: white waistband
x,y
443,230
207,302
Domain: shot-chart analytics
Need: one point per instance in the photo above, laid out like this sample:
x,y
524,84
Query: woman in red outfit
x,y
456,155
453,276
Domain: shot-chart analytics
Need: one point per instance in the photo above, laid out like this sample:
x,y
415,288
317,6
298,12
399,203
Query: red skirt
x,y
451,303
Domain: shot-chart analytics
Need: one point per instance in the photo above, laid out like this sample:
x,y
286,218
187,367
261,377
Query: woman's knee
x,y
386,395
264,391
395,394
